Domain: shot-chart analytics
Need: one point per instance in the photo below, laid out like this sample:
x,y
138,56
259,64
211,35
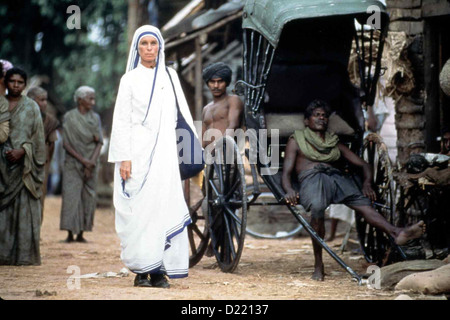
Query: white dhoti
x,y
342,212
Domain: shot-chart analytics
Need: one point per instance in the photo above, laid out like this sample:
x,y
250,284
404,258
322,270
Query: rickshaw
x,y
295,51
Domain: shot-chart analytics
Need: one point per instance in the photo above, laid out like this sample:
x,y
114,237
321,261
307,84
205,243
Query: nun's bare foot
x,y
409,233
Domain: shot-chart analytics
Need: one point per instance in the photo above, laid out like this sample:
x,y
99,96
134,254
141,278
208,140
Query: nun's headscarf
x,y
217,70
134,58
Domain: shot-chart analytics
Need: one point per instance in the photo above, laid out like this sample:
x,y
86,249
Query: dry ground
x,y
268,270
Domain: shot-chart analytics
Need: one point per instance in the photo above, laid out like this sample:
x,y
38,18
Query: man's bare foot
x,y
81,239
69,238
319,273
409,233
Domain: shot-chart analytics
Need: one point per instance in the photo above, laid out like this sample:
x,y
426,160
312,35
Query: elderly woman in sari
x,y
22,162
82,141
151,212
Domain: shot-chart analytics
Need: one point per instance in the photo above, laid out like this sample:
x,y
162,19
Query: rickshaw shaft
x,y
322,243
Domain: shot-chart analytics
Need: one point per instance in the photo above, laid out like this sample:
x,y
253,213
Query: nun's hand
x,y
125,170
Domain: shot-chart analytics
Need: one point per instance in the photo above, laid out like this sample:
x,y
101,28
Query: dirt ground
x,y
268,270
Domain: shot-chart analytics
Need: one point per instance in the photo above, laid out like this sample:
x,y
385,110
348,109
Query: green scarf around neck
x,y
317,149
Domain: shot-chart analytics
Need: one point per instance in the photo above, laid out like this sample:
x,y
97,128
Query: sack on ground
x,y
430,282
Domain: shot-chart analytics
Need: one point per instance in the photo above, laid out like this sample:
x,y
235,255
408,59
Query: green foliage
x,y
94,55
97,60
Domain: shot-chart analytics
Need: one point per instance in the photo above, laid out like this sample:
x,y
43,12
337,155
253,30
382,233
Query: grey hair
x,y
35,92
82,92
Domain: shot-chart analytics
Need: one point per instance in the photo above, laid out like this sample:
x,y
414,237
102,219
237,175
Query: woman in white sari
x,y
151,212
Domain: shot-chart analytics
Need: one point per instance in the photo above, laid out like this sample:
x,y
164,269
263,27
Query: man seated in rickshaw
x,y
313,153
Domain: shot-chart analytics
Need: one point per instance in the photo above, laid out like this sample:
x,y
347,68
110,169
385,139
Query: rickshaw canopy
x,y
268,17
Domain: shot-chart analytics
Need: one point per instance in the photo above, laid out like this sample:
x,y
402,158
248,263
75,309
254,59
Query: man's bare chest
x,y
218,112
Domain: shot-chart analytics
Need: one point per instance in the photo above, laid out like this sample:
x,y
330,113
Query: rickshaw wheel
x,y
227,204
269,220
198,234
375,244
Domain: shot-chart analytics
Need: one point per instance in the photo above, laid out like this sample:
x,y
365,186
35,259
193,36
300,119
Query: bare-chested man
x,y
225,111
312,153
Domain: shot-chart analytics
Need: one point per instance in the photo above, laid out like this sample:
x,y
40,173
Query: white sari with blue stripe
x,y
151,212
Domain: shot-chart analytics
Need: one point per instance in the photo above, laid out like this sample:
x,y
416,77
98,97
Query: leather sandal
x,y
159,281
142,280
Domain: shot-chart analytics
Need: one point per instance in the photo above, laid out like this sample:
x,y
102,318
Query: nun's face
x,y
148,51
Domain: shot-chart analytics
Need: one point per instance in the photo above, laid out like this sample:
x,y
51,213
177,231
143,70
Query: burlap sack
x,y
393,273
444,78
430,282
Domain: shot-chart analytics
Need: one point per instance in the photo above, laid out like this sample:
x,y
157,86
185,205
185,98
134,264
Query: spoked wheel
x,y
227,204
376,245
198,234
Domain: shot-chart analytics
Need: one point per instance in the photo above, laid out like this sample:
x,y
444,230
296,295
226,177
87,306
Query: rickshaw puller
x,y
224,113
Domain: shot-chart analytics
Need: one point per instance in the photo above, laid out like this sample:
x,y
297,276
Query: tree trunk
x,y
137,16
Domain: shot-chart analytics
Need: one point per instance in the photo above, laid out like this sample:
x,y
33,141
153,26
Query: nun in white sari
x,y
151,212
